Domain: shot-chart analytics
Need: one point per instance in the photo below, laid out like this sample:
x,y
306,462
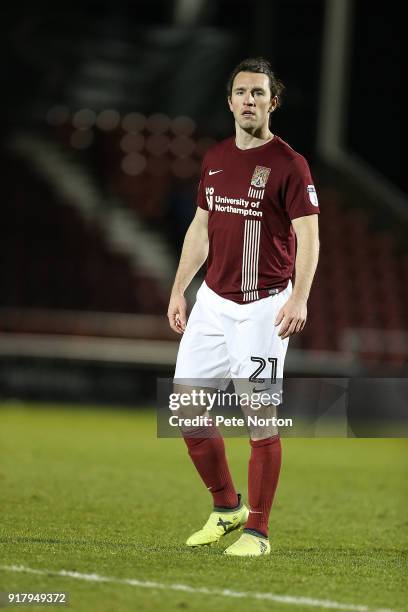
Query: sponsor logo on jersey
x,y
239,206
211,172
209,195
312,195
260,177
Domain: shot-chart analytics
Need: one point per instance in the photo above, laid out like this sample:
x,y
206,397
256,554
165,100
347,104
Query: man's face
x,y
250,100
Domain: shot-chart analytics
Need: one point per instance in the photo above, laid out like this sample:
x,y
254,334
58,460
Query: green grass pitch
x,y
94,491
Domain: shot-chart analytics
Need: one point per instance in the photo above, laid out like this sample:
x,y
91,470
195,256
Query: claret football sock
x,y
263,476
207,451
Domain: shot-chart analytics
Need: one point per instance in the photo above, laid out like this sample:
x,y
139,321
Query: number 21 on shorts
x,y
262,365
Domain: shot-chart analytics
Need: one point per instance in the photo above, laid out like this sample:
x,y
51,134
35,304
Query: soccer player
x,y
256,223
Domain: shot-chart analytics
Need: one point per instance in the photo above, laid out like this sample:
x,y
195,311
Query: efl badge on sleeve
x,y
260,177
312,195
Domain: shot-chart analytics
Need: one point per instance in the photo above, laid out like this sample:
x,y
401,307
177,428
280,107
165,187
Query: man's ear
x,y
274,104
229,103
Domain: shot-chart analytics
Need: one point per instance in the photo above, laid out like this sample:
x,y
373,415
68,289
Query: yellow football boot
x,y
219,524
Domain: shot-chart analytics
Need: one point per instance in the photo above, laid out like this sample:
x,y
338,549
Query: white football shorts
x,y
224,340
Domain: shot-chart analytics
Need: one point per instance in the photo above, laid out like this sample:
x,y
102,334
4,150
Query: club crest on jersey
x,y
260,176
312,195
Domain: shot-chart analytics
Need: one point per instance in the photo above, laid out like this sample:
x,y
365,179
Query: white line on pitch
x,y
285,599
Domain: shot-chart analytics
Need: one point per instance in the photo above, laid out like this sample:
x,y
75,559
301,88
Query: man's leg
x,y
264,463
263,476
208,456
259,357
207,451
203,358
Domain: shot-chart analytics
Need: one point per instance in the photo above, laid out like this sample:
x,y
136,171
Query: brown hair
x,y
262,66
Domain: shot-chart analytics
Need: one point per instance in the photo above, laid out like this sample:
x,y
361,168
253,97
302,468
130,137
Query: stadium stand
x,y
53,258
110,107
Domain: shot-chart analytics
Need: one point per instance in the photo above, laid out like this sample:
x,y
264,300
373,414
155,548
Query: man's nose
x,y
249,99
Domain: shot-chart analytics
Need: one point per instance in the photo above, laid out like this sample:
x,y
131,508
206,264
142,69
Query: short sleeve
x,y
300,197
201,199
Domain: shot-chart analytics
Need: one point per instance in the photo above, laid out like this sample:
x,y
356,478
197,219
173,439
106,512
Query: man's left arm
x,y
292,316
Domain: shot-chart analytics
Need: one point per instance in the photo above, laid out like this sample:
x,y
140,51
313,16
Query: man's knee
x,y
261,422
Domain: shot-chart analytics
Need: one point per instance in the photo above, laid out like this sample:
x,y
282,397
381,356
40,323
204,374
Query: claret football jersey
x,y
252,195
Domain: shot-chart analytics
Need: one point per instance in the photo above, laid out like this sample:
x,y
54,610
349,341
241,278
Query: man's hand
x,y
177,313
293,316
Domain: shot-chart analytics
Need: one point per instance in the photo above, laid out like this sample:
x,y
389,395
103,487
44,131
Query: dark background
x,y
73,78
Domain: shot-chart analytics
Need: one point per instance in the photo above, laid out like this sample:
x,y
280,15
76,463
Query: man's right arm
x,y
193,255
